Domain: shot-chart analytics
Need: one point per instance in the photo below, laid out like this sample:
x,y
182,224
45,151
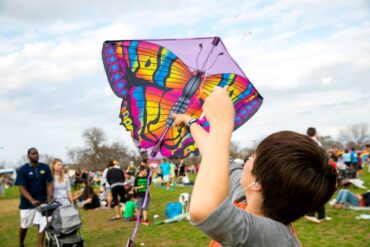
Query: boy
x,y
287,177
140,188
130,210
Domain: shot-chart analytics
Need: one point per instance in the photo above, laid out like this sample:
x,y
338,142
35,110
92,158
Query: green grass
x,y
343,230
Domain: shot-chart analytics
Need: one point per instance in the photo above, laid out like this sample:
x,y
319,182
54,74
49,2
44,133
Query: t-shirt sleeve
x,y
21,177
231,226
223,225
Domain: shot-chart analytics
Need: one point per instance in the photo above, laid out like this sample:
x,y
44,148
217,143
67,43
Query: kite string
x,y
200,91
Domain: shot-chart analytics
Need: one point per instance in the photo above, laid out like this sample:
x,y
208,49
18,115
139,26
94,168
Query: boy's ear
x,y
256,187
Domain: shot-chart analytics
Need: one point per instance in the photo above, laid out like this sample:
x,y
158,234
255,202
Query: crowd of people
x,y
124,189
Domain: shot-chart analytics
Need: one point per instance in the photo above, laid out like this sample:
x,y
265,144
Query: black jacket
x,y
115,175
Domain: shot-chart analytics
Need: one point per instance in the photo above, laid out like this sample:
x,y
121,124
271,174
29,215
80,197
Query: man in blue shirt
x,y
36,187
165,168
354,159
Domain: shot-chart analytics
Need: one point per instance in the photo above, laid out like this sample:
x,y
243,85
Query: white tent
x,y
9,171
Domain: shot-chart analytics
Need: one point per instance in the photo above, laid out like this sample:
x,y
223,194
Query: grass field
x,y
343,230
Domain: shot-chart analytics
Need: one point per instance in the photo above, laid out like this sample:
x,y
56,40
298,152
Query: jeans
x,y
347,197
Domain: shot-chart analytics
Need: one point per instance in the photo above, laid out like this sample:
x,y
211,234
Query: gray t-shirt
x,y
231,226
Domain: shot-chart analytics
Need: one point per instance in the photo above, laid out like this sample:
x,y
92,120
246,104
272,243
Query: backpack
x,y
173,209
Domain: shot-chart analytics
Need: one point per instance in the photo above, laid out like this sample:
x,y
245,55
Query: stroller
x,y
63,225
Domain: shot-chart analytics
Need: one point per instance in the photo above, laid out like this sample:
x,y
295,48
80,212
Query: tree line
x,y
96,152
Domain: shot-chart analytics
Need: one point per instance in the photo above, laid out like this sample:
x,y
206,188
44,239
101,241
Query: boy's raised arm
x,y
212,183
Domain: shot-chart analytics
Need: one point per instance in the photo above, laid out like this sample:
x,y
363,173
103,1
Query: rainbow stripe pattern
x,y
150,79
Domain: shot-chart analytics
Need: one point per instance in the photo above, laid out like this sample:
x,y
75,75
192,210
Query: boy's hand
x,y
181,119
219,109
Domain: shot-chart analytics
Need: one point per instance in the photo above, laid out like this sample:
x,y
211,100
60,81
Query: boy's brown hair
x,y
294,174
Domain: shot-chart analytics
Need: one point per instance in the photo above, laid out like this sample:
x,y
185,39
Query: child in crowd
x,y
130,210
287,177
130,179
140,189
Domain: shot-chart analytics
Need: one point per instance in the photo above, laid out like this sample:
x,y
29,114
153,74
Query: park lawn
x,y
343,230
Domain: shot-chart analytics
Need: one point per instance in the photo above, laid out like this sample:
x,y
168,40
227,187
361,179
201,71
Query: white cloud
x,y
308,58
326,80
274,63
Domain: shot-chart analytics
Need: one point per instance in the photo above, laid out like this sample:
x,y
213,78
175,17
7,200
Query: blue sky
x,y
310,60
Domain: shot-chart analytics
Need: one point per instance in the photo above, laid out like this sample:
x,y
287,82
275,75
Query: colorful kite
x,y
155,78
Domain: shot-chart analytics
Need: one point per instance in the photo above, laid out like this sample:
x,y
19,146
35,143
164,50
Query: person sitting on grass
x,y
186,179
346,198
130,211
90,199
287,177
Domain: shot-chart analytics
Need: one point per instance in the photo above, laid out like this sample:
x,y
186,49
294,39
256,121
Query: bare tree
x,y
329,142
235,149
238,151
96,154
356,134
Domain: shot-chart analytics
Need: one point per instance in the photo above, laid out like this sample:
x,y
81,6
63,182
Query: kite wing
x,y
155,78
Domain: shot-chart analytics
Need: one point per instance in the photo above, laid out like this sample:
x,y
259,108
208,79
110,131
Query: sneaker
x,y
328,218
313,219
146,222
332,203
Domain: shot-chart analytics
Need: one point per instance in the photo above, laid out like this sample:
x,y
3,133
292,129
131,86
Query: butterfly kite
x,y
155,78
